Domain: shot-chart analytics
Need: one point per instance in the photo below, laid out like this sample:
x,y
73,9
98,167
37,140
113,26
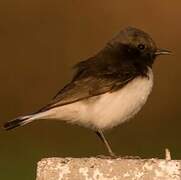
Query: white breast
x,y
109,109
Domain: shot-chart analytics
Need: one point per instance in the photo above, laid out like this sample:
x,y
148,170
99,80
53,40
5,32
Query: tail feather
x,y
20,121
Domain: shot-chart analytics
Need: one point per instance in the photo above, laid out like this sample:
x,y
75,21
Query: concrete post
x,y
108,169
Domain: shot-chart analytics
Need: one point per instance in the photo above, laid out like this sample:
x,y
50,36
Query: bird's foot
x,y
114,156
101,156
130,157
110,156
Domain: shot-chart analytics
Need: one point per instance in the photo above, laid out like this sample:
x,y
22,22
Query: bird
x,y
107,89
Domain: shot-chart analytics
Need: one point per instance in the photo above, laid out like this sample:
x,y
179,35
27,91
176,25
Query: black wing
x,y
88,82
85,88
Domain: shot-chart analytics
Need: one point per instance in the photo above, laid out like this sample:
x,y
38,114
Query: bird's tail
x,y
20,121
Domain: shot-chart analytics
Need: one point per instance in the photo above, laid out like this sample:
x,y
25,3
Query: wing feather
x,y
86,84
84,89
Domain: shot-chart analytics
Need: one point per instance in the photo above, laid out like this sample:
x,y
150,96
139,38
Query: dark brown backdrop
x,y
39,42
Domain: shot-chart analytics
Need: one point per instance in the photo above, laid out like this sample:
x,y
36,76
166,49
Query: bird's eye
x,y
141,46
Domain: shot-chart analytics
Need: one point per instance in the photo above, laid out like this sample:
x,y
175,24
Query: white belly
x,y
107,110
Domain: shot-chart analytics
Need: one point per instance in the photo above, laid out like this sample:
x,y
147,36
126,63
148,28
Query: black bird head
x,y
135,45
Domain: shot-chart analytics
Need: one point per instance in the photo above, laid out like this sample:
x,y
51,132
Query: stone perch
x,y
108,169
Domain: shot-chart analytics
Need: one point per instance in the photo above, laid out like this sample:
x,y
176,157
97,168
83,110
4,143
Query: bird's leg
x,y
111,153
103,139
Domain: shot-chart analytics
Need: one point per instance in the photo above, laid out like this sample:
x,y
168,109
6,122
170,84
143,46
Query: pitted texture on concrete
x,y
108,169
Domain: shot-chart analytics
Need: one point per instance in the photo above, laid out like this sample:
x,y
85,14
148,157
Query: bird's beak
x,y
162,52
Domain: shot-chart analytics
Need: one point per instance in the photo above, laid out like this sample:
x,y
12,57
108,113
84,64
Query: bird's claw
x,y
114,156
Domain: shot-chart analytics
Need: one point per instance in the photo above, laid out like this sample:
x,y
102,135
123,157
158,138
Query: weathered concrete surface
x,y
108,169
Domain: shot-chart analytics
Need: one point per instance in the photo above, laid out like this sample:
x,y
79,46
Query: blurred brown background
x,y
39,42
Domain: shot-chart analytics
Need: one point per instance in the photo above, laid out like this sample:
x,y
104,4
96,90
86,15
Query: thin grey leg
x,y
103,139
